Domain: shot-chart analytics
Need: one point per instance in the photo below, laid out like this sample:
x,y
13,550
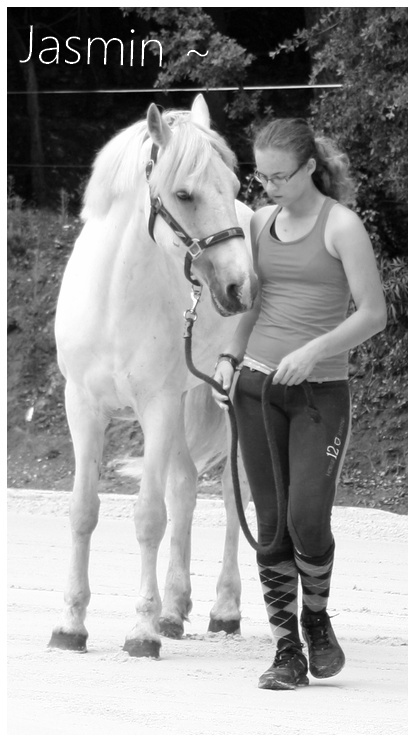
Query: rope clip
x,y
190,315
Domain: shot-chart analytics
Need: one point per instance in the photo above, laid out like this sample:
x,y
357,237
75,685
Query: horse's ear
x,y
157,127
200,113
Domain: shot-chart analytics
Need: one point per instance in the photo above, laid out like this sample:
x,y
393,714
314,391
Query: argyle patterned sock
x,y
280,588
315,575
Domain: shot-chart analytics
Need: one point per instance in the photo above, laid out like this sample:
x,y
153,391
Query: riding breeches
x,y
311,453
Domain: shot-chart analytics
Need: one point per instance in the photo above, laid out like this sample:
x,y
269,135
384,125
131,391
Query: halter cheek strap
x,y
194,245
153,201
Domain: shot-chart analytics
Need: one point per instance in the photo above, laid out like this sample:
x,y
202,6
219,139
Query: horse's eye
x,y
184,196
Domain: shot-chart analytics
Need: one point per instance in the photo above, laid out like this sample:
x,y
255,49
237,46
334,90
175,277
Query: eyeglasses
x,y
274,179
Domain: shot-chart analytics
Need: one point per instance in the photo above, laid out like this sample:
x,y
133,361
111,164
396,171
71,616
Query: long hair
x,y
331,175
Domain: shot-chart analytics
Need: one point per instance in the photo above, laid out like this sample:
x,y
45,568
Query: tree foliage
x,y
183,29
366,50
223,62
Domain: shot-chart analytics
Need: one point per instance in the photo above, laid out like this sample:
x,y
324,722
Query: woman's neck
x,y
307,204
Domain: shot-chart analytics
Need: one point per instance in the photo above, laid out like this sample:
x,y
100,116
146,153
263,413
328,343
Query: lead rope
x,y
190,318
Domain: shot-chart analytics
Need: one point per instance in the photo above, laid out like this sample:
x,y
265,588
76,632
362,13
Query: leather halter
x,y
195,246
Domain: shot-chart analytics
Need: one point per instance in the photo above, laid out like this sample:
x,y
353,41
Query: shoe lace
x,y
284,657
318,633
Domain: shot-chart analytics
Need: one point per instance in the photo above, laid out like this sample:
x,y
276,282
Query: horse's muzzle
x,y
234,298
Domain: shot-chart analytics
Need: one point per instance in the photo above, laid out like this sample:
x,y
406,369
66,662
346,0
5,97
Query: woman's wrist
x,y
230,358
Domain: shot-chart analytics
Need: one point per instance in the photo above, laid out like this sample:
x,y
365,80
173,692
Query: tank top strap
x,y
320,225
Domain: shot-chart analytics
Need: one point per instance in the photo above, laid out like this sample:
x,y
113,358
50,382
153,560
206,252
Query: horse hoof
x,y
233,626
144,648
63,640
171,629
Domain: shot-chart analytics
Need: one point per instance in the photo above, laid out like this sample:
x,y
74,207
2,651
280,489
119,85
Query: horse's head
x,y
195,183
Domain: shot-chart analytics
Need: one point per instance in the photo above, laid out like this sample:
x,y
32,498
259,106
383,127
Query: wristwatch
x,y
227,357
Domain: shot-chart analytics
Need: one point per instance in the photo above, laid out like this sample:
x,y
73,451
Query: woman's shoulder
x,y
343,227
258,222
343,214
261,216
342,218
263,212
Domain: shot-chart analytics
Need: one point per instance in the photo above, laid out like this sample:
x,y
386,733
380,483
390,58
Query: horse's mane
x,y
120,165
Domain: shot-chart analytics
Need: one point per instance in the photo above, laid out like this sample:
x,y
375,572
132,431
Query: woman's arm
x,y
224,371
237,345
346,239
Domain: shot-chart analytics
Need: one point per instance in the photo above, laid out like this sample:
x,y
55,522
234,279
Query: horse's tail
x,y
205,425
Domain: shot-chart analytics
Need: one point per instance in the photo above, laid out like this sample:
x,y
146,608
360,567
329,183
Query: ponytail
x,y
331,175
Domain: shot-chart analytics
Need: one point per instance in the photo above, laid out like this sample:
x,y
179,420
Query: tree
x,y
366,50
36,146
220,60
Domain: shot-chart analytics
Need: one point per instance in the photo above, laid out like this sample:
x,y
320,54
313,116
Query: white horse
x,y
119,332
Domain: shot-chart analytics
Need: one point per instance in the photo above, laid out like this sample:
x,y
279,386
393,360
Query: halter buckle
x,y
156,204
195,250
149,169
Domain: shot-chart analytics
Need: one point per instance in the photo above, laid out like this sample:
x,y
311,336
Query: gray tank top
x,y
305,294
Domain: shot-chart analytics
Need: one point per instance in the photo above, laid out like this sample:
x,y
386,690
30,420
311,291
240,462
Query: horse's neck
x,y
120,257
119,239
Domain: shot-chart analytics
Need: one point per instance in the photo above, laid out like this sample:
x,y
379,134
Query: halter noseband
x,y
194,245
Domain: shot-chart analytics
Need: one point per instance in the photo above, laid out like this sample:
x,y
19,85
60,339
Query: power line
x,y
175,90
69,167
155,90
72,167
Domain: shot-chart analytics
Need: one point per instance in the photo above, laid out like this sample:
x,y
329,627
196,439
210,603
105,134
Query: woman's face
x,y
289,177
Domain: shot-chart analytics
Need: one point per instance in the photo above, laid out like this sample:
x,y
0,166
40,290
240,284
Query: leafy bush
x,y
366,50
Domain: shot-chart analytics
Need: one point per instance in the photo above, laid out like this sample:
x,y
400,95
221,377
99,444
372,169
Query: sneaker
x,y
288,671
325,654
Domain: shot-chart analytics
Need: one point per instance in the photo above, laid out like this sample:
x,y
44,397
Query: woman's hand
x,y
297,366
224,376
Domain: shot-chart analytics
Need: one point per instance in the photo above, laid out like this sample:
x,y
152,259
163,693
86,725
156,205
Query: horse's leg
x,y
87,431
225,614
159,422
181,497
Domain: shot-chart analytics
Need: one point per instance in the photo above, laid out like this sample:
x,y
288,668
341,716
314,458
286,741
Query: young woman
x,y
311,254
